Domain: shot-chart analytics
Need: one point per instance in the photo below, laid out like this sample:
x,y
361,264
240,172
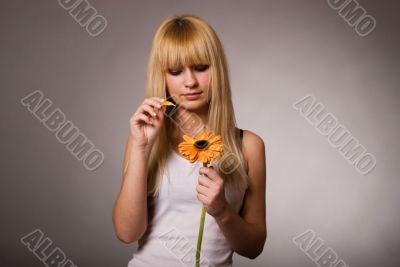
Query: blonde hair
x,y
184,41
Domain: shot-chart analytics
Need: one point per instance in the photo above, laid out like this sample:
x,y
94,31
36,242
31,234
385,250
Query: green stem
x,y
200,236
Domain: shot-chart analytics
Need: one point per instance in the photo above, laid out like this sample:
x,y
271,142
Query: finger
x,y
154,102
202,198
160,112
210,172
205,181
149,109
202,190
159,99
144,118
159,118
146,108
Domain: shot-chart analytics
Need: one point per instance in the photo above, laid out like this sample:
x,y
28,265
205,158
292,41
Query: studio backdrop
x,y
318,80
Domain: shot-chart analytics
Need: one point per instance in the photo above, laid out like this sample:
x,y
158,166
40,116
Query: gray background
x,y
278,52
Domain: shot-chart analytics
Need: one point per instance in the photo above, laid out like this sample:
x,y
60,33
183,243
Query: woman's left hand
x,y
211,191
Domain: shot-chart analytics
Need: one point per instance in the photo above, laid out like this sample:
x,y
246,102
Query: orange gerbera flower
x,y
204,147
167,103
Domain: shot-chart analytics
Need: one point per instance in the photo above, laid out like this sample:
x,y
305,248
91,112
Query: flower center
x,y
201,144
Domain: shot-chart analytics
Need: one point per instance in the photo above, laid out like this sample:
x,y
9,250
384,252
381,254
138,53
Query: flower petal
x,y
188,139
167,103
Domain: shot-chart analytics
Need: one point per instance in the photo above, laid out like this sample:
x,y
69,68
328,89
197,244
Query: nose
x,y
190,78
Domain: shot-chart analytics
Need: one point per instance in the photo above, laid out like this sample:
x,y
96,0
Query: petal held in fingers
x,y
167,103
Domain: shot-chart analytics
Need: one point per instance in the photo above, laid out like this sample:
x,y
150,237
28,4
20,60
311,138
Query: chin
x,y
194,105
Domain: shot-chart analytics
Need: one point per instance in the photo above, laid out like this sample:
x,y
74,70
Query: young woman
x,y
162,194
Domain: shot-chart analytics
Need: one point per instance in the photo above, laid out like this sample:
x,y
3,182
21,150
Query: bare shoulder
x,y
253,147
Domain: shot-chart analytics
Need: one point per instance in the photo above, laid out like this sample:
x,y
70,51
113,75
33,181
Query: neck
x,y
198,117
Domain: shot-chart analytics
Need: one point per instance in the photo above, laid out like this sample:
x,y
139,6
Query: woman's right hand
x,y
144,124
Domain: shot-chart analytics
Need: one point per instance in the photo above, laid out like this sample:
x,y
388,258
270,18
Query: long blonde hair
x,y
183,41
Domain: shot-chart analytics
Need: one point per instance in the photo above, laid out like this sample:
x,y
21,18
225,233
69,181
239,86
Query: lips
x,y
192,96
189,94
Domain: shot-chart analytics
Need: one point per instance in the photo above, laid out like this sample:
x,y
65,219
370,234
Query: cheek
x,y
205,84
172,84
204,79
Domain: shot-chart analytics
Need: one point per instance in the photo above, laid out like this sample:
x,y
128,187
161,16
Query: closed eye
x,y
174,72
201,67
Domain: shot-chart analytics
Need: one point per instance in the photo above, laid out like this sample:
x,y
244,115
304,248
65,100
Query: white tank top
x,y
174,219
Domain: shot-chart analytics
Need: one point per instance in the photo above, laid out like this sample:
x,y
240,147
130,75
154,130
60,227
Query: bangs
x,y
182,46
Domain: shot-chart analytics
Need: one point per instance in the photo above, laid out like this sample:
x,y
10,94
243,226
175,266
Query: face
x,y
189,80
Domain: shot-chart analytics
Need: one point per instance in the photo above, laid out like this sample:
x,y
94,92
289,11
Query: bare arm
x,y
130,209
251,223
